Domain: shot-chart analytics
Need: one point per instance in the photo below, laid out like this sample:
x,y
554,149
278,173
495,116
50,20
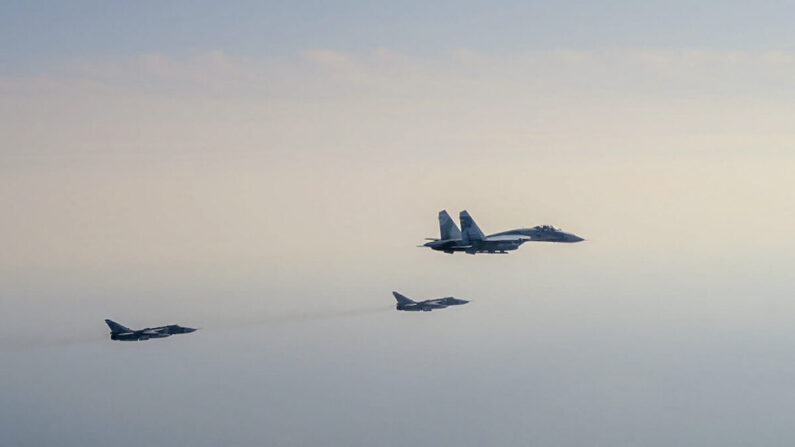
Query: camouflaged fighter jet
x,y
470,239
122,333
404,303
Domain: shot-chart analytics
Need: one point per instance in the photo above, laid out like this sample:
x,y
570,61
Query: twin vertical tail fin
x,y
402,299
469,229
116,327
448,228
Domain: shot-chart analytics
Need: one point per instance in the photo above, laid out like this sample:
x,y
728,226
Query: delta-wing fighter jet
x,y
123,333
405,303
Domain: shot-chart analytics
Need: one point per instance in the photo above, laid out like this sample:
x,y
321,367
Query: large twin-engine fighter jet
x,y
122,333
470,238
404,303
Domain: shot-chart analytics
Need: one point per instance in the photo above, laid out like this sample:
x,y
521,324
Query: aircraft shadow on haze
x,y
407,304
470,239
123,333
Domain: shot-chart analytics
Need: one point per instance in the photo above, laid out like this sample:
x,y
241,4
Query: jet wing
x,y
434,303
443,243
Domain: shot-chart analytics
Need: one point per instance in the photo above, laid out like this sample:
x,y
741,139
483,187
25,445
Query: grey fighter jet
x,y
122,333
470,239
404,303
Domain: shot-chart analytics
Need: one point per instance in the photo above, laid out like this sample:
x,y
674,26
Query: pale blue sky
x,y
264,171
35,34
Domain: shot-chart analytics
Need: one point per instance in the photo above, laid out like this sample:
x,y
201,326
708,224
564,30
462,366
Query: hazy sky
x,y
264,171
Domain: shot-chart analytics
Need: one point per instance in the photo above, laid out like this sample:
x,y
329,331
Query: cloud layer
x,y
328,102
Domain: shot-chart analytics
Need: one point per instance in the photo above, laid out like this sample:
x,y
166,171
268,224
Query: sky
x,y
265,170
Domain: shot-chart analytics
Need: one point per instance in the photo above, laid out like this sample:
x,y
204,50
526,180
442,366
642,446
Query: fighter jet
x,y
470,239
404,303
122,333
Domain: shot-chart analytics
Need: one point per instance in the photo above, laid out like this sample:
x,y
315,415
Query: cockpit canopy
x,y
546,228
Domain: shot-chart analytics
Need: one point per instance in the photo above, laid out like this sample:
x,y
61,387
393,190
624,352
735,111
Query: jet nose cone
x,y
189,330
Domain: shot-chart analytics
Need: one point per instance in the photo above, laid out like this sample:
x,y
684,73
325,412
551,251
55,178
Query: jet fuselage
x,y
542,233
